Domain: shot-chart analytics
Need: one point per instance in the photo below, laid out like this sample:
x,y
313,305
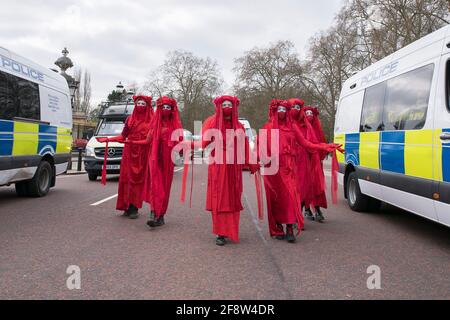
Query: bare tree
x,y
192,80
82,99
266,73
364,32
86,92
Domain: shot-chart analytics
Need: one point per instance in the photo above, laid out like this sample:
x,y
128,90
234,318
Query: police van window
x,y
407,99
371,117
19,98
7,99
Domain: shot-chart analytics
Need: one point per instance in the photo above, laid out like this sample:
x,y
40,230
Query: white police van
x,y
35,125
393,119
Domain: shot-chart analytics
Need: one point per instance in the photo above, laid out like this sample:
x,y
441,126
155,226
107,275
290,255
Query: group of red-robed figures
x,y
147,167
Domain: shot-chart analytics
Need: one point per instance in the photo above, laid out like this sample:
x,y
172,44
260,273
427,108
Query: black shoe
x,y
220,241
133,215
309,215
290,237
125,214
281,229
319,216
157,222
132,212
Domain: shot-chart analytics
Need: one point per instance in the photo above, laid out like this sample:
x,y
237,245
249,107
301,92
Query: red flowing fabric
x,y
183,183
224,191
259,198
105,158
316,179
134,157
283,198
334,180
160,165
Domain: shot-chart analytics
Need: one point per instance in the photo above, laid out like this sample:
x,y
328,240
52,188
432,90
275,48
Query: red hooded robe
x,y
312,129
160,167
134,158
224,191
301,154
282,194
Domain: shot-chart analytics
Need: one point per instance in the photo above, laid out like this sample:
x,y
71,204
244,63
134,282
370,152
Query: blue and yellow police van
x,y
393,119
35,125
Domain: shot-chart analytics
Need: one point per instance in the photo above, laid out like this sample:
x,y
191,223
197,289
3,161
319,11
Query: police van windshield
x,y
110,128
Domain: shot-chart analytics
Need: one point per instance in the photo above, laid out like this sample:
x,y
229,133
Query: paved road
x,y
123,259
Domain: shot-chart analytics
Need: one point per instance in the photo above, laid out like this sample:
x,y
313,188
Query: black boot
x,y
280,228
290,237
319,216
308,214
220,241
132,212
158,222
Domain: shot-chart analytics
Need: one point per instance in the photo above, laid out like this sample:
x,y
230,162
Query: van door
x,y
442,141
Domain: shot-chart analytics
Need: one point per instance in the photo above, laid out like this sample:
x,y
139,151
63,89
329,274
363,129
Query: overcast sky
x,y
124,40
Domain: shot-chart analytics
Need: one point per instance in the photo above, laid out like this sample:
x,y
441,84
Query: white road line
x,y
104,200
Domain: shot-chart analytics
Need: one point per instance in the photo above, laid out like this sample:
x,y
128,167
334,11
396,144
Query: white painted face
x,y
282,109
227,104
309,113
296,107
166,107
141,103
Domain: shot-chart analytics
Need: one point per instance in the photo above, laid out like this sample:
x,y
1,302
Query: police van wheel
x,y
41,182
356,200
92,177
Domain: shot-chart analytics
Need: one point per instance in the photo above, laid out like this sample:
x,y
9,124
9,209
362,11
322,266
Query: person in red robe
x,y
224,191
282,192
134,158
301,154
165,133
316,197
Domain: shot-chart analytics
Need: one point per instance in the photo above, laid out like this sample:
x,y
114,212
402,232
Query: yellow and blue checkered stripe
x,y
22,138
416,153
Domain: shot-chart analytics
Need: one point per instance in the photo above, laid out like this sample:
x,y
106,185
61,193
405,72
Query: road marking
x,y
178,170
104,200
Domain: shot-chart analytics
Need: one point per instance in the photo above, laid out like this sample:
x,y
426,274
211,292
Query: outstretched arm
x,y
311,147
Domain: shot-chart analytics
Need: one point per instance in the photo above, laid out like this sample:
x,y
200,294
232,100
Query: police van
x,y
35,125
393,119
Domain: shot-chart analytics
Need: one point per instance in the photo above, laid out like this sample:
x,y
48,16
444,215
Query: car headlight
x,y
90,152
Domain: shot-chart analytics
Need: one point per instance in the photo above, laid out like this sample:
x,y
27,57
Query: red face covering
x,y
227,112
166,113
295,113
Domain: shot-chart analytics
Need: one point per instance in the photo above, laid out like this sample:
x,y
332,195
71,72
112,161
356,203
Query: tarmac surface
x,y
123,259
